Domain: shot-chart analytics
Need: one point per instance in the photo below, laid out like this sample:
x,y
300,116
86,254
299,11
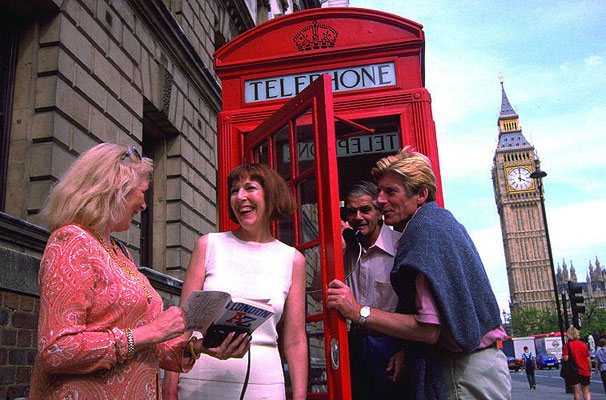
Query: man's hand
x,y
340,298
344,226
395,366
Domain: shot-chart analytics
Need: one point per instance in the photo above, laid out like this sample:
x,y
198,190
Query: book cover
x,y
216,314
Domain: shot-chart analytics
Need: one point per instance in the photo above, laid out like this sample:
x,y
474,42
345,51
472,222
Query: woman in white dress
x,y
249,262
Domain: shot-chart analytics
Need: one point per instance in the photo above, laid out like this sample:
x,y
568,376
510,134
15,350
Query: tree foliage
x,y
530,321
594,318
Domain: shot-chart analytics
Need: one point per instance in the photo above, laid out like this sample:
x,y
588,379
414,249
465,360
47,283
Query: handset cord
x,y
246,377
357,264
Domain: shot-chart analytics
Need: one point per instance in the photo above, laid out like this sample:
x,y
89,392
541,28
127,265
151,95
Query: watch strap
x,y
364,313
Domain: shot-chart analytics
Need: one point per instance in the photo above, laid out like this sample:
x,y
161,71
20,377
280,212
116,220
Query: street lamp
x,y
539,175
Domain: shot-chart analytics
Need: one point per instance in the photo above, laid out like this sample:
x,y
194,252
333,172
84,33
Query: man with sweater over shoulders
x,y
447,313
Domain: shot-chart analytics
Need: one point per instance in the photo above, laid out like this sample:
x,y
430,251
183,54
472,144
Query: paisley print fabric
x,y
86,303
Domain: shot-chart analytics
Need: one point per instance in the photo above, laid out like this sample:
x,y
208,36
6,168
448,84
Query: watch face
x,y
519,178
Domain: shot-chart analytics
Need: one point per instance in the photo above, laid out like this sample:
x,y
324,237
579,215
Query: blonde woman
x,y
582,358
102,333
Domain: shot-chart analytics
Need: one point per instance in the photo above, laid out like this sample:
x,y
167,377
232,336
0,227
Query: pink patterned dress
x,y
86,303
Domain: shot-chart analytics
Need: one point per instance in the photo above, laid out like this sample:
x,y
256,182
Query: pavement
x,y
549,387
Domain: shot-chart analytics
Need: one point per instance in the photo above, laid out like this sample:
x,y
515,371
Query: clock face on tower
x,y
519,178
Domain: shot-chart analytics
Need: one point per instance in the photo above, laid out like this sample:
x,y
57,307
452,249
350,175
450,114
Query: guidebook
x,y
216,314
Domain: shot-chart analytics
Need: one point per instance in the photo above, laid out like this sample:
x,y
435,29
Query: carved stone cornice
x,y
307,4
240,15
31,8
176,44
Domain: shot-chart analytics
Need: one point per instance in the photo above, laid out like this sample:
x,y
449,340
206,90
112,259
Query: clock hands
x,y
519,178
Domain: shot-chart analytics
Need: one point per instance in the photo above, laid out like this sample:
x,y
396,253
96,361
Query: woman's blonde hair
x,y
573,333
414,168
92,192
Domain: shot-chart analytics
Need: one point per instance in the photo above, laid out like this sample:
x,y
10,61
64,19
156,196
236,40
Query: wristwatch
x,y
364,313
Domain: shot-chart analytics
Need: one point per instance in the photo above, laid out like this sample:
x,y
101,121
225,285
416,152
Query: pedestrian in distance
x,y
600,361
582,358
529,364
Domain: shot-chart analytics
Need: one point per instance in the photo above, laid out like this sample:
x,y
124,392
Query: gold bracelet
x,y
131,344
192,350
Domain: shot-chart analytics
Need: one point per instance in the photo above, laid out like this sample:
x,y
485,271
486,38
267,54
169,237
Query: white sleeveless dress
x,y
255,271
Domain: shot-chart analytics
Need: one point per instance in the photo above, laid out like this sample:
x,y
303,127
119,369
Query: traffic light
x,y
575,294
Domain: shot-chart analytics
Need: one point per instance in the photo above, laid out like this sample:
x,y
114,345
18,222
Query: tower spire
x,y
511,137
506,108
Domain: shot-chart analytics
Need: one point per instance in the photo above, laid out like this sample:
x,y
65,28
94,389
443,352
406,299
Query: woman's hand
x,y
235,348
167,325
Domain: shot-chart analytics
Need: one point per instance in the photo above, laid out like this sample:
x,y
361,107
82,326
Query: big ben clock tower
x,y
519,207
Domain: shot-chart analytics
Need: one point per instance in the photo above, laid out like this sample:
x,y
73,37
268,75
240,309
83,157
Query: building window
x,y
147,228
156,131
8,51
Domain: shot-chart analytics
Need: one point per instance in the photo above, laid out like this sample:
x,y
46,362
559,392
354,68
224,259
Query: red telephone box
x,y
321,95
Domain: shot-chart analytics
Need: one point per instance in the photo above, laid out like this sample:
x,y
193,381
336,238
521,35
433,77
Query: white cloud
x,y
489,243
594,61
577,225
564,223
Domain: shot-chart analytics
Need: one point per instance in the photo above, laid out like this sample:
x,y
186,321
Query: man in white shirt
x,y
368,260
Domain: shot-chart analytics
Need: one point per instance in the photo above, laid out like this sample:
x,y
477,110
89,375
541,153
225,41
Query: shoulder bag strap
x,y
570,355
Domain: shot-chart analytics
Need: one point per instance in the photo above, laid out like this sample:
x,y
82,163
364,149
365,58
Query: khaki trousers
x,y
483,374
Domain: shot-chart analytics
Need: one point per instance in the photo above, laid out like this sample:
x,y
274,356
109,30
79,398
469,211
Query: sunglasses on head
x,y
132,150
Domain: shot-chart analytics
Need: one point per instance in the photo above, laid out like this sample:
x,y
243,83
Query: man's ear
x,y
422,196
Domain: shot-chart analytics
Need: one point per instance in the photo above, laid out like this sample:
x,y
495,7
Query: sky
x,y
552,55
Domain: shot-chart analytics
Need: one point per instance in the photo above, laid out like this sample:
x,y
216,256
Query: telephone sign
x,y
343,79
379,143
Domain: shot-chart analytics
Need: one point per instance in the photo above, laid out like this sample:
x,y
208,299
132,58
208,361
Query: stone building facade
x,y
518,202
594,287
74,73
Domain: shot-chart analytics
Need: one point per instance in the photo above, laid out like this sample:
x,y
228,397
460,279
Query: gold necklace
x,y
124,266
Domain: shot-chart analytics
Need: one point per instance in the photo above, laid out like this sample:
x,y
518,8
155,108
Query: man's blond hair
x,y
413,168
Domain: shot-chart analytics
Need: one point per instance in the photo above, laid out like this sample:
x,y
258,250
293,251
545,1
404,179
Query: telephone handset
x,y
352,236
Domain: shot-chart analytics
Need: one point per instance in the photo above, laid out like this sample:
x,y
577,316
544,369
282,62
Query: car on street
x,y
547,361
514,363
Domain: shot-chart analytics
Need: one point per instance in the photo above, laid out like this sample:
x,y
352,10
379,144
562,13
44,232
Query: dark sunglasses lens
x,y
129,152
